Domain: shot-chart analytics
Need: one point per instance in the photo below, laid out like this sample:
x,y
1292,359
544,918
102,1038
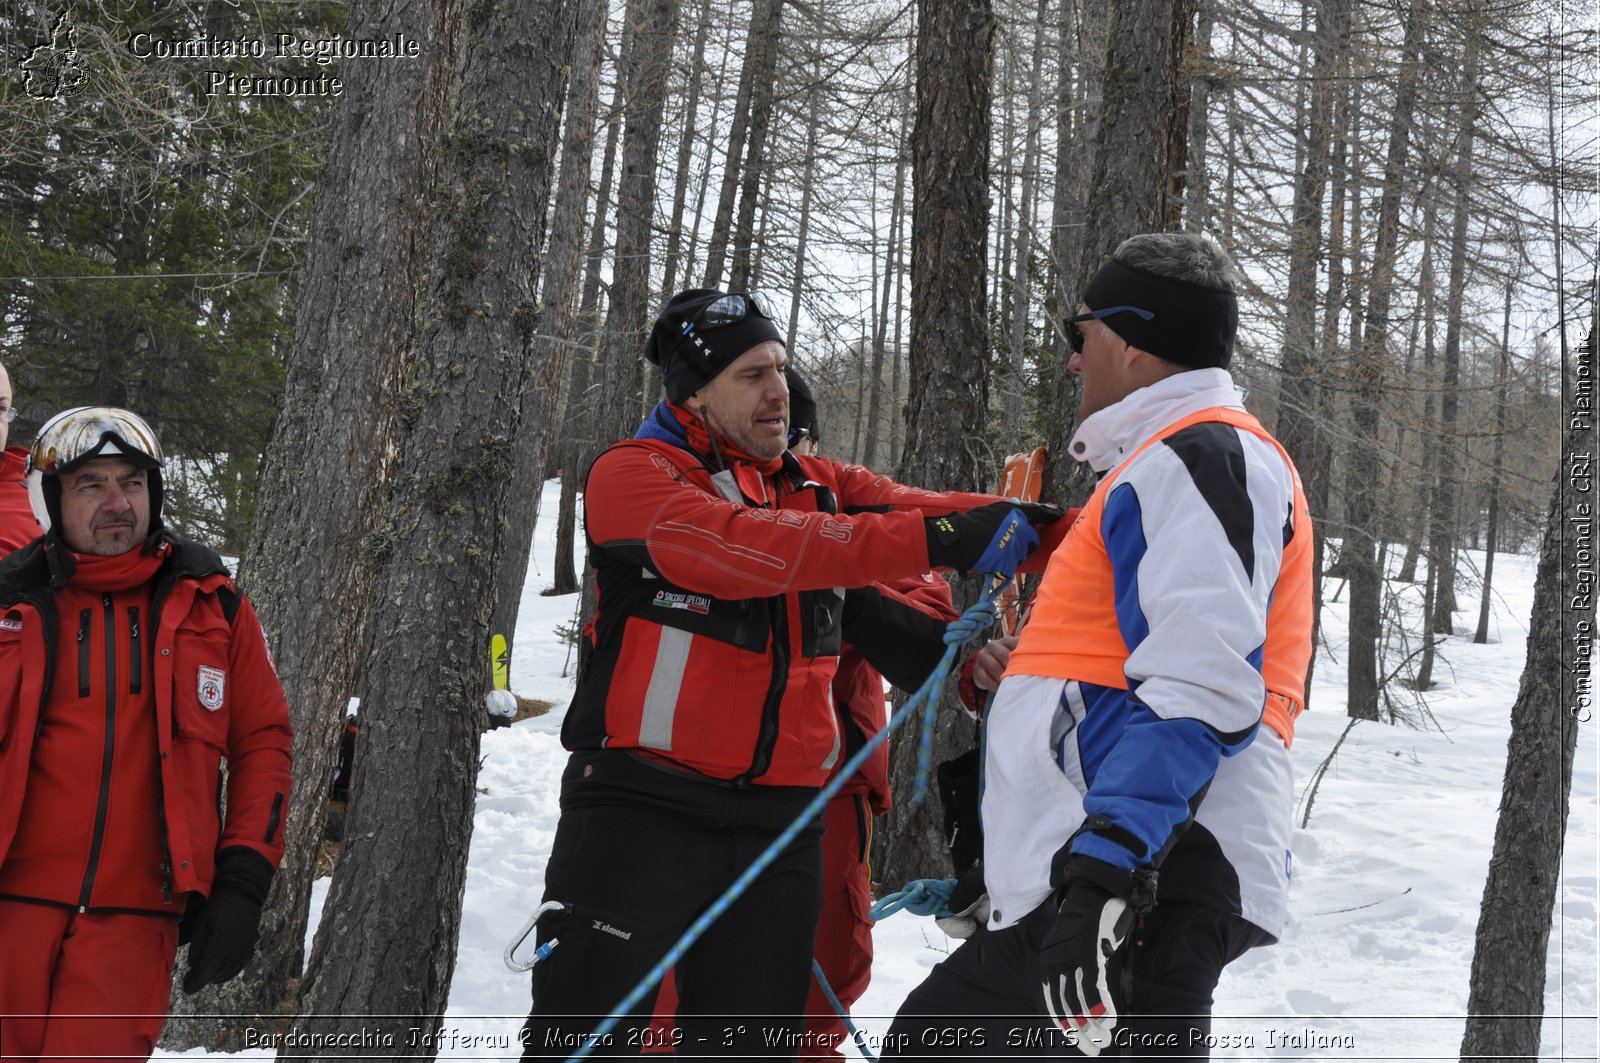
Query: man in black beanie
x,y
702,725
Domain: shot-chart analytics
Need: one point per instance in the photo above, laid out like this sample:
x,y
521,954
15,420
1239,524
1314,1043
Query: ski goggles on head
x,y
1075,334
71,438
728,310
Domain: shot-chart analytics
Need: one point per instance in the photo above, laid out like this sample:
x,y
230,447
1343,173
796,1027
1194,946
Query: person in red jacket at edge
x,y
130,667
17,525
702,724
908,644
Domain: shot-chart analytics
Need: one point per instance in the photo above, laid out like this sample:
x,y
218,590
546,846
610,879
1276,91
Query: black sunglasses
x,y
1075,334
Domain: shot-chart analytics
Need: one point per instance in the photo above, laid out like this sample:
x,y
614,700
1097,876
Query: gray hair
x,y
1191,257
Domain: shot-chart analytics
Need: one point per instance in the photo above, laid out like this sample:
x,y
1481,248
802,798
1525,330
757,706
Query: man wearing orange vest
x,y
1138,787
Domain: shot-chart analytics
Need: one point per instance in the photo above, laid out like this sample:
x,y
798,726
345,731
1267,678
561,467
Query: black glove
x,y
993,538
1082,957
225,930
968,904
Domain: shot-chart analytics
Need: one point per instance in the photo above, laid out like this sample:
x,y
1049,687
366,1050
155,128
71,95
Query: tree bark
x,y
1366,584
680,188
652,25
1491,533
1135,184
386,945
341,410
1443,530
556,354
1506,1001
765,29
1301,411
944,447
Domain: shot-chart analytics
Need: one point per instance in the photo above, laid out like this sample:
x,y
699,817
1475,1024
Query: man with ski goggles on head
x,y
1160,671
130,667
702,723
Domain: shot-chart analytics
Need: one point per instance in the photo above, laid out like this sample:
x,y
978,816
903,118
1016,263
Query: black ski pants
x,y
641,851
987,998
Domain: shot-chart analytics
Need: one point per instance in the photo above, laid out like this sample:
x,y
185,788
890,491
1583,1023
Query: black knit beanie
x,y
802,409
690,357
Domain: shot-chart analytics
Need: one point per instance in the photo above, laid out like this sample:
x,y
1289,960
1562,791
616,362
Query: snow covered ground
x,y
1388,877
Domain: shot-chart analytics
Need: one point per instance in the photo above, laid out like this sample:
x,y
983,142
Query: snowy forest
x,y
377,295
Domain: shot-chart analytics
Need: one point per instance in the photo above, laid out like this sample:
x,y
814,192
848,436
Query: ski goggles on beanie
x,y
1189,324
701,332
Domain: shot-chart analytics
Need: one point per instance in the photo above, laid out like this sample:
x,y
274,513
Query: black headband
x,y
1192,324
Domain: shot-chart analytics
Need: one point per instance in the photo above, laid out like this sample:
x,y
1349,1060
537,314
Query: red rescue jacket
x,y
717,628
18,527
194,658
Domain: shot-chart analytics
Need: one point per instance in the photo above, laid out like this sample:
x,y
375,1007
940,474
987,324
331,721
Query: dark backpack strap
x,y
228,598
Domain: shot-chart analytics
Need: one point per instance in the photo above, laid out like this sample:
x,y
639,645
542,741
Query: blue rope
x,y
925,896
841,1011
959,632
976,620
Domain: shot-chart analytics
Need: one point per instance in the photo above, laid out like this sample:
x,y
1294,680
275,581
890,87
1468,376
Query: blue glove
x,y
993,538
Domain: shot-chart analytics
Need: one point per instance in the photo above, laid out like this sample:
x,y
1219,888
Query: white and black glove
x,y
968,904
1082,957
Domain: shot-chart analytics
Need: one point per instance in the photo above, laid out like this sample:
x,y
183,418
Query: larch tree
x,y
947,407
386,945
1505,1005
337,437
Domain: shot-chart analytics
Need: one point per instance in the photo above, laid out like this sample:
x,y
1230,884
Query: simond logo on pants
x,y
601,925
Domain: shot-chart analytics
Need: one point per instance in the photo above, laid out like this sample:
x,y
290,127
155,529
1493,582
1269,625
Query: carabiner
x,y
543,951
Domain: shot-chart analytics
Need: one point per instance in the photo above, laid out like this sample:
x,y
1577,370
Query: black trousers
x,y
987,999
639,853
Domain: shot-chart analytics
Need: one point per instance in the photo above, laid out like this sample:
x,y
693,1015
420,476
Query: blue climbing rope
x,y
925,896
842,1011
972,623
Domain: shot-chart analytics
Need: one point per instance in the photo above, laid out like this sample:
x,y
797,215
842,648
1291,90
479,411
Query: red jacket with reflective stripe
x,y
717,631
212,691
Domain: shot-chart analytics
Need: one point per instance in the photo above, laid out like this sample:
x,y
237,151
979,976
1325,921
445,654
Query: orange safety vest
x,y
1073,630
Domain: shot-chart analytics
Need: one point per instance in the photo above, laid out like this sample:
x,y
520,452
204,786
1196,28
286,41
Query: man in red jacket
x,y
702,723
17,526
130,667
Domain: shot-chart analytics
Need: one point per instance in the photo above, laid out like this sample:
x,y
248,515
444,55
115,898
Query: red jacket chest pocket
x,y
201,679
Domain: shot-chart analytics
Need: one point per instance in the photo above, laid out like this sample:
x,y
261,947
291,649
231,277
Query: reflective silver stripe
x,y
666,680
838,738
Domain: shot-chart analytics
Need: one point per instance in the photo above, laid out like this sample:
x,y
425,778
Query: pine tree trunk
x,y
554,356
1021,281
1497,472
1135,183
807,189
1301,410
945,412
1366,584
354,323
1443,531
578,424
738,129
628,315
680,188
386,945
1506,1001
768,23
1197,184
